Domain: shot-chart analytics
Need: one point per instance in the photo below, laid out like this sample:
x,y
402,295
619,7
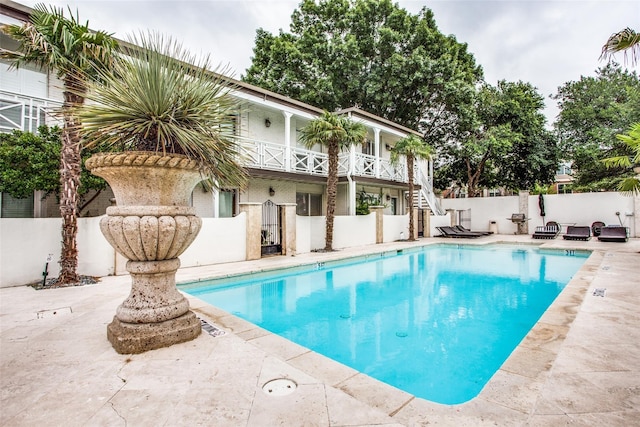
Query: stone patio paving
x,y
578,366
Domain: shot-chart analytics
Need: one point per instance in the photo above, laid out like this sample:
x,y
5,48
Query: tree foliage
x,y
31,162
369,54
631,184
593,110
506,144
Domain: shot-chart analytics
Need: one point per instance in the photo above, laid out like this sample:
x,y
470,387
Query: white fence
x,y
26,243
395,227
566,209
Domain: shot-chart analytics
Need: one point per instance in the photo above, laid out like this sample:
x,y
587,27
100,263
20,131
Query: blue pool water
x,y
436,322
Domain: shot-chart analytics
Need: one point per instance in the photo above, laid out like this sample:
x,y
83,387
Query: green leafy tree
x,y
335,133
371,54
31,162
506,143
64,45
412,148
593,110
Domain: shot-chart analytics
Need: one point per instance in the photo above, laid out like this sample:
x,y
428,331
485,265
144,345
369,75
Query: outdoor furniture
x,y
452,232
518,218
614,233
549,231
466,230
596,227
577,232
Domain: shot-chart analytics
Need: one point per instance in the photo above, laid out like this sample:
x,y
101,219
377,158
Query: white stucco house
x,y
267,129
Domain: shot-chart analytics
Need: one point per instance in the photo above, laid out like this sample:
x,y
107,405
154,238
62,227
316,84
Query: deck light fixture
x,y
272,192
267,122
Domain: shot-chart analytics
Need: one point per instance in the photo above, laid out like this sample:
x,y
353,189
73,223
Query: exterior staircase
x,y
425,197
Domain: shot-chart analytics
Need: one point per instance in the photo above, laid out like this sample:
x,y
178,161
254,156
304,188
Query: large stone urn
x,y
151,225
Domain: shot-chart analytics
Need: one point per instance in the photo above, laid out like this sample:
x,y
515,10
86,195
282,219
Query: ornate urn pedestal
x,y
152,225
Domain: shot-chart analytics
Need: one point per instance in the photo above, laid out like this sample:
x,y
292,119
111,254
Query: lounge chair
x,y
462,229
452,232
577,232
613,234
549,231
466,230
596,227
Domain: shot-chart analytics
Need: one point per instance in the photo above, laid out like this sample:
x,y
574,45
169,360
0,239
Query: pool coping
x,y
527,366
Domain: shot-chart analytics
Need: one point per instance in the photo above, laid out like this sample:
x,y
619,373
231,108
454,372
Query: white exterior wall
x,y
256,128
26,242
356,230
203,201
486,209
220,240
258,191
577,208
393,225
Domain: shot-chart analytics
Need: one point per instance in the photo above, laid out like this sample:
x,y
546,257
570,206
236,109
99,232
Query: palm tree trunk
x,y
410,162
332,190
70,161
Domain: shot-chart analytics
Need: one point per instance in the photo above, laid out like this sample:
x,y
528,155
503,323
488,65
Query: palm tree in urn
x,y
336,133
412,148
64,45
170,121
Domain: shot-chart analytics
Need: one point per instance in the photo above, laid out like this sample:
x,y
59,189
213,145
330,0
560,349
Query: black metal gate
x,y
420,222
271,231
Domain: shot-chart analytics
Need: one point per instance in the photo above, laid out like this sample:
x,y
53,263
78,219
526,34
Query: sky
x,y
545,43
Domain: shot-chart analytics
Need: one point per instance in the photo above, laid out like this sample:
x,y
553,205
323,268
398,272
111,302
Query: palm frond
x,y
410,146
627,41
330,128
161,98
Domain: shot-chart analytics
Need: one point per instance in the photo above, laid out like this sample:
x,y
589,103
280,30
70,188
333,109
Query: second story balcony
x,y
25,113
277,157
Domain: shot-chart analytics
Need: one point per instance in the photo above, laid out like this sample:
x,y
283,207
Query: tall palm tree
x,y
412,148
337,133
64,45
625,41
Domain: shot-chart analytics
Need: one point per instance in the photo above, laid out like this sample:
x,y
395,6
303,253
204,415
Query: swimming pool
x,y
436,322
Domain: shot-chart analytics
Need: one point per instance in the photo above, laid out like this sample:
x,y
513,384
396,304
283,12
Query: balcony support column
x,y
287,140
352,183
376,148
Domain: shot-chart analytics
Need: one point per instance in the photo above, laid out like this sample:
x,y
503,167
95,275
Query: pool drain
x,y
279,387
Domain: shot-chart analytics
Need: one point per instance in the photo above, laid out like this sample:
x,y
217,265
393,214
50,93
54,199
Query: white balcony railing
x,y
309,162
270,156
26,113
